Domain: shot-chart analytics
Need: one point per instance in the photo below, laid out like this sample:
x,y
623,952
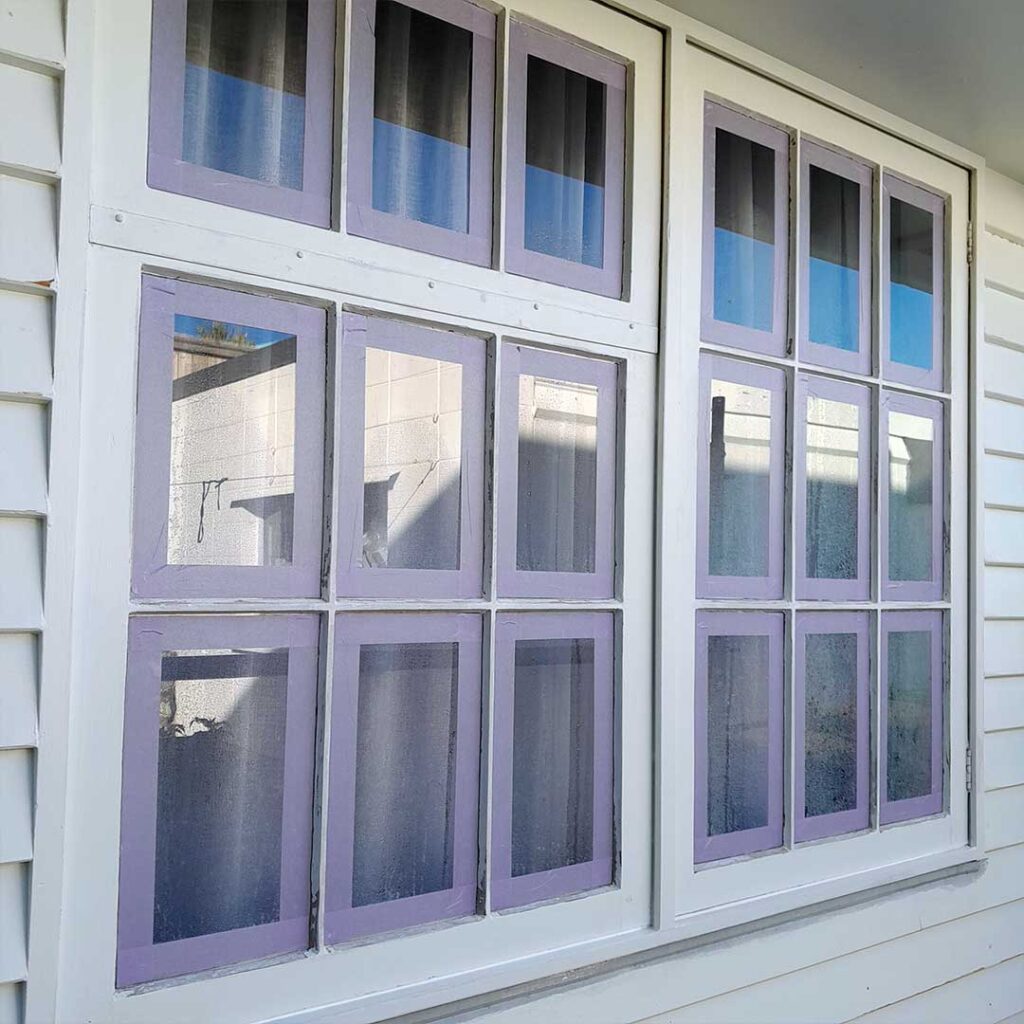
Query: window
x,y
421,122
566,146
229,451
746,235
241,99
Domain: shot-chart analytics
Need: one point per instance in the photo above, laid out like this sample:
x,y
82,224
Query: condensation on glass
x,y
421,117
552,755
232,475
832,477
739,485
557,495
738,733
911,284
412,462
744,231
830,723
245,88
565,163
911,441
220,791
405,771
909,715
834,262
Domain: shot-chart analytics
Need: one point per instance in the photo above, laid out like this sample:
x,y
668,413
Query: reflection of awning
x,y
235,369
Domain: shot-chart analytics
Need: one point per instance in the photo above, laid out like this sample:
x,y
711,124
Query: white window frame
x,y
72,934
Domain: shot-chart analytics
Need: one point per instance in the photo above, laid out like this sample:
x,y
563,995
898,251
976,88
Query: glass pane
x,y
830,723
557,512
220,791
909,716
412,468
565,163
245,88
421,115
834,271
739,487
744,231
910,496
232,478
738,767
832,477
405,771
552,755
910,285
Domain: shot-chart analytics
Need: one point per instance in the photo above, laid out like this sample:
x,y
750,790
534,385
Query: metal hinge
x,y
970,243
970,769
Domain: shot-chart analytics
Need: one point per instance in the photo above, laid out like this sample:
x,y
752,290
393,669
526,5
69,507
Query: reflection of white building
x,y
232,454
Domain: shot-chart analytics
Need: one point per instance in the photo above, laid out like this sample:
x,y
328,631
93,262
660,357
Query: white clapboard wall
x,y
31,59
948,953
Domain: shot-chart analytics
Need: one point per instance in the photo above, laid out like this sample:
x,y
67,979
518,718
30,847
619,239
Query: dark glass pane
x,y
421,117
739,488
557,509
245,88
911,305
232,473
744,231
832,478
737,740
830,723
834,271
565,163
552,755
412,462
909,716
220,791
910,496
405,771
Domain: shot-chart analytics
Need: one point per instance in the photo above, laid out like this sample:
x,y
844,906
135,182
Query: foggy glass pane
x,y
744,231
405,771
739,487
220,791
557,511
245,88
565,163
832,472
910,284
232,474
910,496
737,741
552,755
412,462
909,716
830,723
421,117
834,270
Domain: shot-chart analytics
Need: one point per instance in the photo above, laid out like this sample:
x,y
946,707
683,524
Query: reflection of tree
x,y
218,333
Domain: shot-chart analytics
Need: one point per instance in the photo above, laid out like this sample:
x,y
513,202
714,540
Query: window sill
x,y
441,998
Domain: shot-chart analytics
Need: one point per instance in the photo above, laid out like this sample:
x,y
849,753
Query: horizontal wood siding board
x,y
1004,316
1003,426
29,119
1004,587
1004,703
1004,540
34,29
1004,370
1004,481
981,997
1004,264
13,921
16,790
1004,648
1004,818
21,555
11,996
1004,204
23,456
28,242
26,343
1004,759
19,686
